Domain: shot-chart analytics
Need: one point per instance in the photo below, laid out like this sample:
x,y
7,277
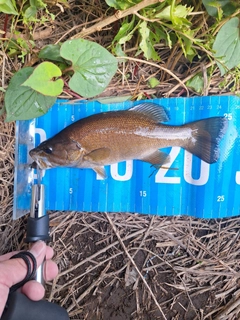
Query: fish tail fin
x,y
205,139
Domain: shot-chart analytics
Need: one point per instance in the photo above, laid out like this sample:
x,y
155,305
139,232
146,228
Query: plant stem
x,y
118,15
159,67
5,25
67,70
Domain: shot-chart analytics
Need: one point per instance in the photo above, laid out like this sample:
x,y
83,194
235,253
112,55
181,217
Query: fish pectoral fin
x,y
100,171
97,155
157,158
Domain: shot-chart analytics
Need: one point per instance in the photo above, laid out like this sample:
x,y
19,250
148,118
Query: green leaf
x,y
153,82
92,64
187,44
51,52
24,103
7,6
227,45
118,51
180,12
38,4
41,80
213,7
164,14
122,4
30,12
124,30
124,34
146,44
196,83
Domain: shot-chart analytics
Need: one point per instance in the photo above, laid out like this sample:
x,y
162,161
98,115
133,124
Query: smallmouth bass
x,y
137,133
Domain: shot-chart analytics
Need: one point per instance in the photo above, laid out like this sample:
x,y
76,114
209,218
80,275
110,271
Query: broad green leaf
x,y
146,44
92,64
164,14
24,103
7,6
196,83
41,80
179,13
51,52
38,4
30,12
212,7
227,45
122,4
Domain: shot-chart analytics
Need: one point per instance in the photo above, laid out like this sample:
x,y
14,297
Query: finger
x,y
34,290
7,256
3,297
50,270
49,253
15,270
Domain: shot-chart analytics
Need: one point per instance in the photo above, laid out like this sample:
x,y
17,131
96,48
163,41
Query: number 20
x,y
187,173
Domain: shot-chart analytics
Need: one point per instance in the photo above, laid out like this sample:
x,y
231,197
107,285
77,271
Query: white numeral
x,y
204,170
143,193
237,178
228,116
220,198
128,171
161,174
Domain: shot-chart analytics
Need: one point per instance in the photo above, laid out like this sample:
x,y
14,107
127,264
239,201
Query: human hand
x,y
14,270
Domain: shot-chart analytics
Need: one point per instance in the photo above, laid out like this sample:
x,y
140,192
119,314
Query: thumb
x,y
14,270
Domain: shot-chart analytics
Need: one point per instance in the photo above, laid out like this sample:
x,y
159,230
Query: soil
x,y
97,280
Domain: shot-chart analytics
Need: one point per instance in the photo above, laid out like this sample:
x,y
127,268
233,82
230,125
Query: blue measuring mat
x,y
196,188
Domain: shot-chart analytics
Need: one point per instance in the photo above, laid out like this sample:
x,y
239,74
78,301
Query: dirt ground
x,y
129,266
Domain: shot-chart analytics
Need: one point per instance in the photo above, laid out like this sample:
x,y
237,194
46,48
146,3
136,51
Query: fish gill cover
x,y
189,187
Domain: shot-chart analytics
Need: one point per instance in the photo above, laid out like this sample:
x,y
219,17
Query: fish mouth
x,y
41,164
34,165
40,161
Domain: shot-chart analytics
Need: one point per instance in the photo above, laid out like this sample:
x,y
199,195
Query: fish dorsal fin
x,y
152,111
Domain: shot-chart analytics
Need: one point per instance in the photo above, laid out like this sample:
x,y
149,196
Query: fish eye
x,y
48,150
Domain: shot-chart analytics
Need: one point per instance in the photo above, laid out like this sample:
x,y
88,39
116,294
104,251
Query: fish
x,y
137,133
